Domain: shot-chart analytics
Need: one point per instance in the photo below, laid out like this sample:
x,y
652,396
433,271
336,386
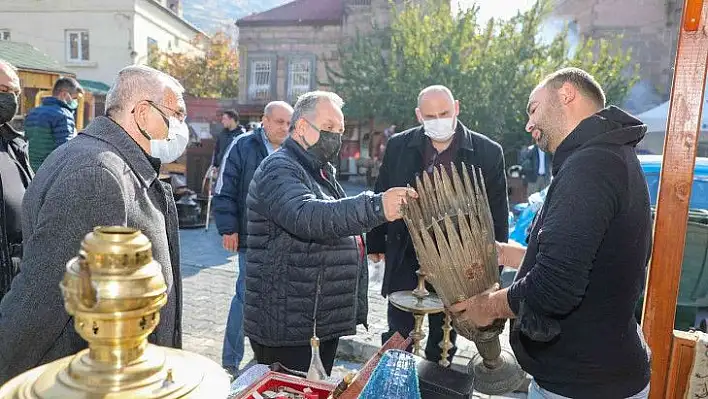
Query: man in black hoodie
x,y
580,278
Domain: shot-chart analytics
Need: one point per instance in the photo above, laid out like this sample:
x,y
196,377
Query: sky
x,y
496,8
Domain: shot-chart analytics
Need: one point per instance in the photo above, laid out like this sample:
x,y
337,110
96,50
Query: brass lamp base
x,y
170,374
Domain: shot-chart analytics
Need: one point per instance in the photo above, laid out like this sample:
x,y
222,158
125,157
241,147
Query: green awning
x,y
25,56
94,86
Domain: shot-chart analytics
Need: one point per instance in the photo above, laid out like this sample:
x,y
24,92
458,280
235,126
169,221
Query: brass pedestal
x,y
420,303
114,290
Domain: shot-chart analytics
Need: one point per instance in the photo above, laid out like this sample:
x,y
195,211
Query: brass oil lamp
x,y
114,290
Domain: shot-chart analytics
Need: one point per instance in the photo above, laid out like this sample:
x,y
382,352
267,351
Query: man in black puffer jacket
x,y
305,266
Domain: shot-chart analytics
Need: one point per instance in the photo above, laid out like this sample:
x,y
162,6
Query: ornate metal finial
x,y
451,227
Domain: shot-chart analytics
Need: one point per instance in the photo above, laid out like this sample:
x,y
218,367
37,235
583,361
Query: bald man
x,y
441,139
240,162
15,175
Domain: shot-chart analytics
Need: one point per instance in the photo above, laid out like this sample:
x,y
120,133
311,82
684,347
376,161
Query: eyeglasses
x,y
177,114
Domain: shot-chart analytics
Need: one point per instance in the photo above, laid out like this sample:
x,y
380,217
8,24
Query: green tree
x,y
491,68
213,74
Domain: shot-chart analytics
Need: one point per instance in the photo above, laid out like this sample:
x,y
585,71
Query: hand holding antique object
x,y
115,290
452,231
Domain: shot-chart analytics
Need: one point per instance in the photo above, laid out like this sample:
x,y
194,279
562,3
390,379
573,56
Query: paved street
x,y
209,275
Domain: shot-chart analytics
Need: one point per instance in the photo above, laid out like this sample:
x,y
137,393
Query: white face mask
x,y
439,129
168,150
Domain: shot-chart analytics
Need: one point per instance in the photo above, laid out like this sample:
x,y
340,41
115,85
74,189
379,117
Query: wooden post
x,y
680,146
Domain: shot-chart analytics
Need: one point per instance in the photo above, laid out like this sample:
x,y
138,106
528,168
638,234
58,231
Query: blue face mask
x,y
73,104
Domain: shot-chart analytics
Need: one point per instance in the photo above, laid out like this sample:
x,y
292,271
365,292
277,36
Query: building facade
x,y
648,27
285,52
94,39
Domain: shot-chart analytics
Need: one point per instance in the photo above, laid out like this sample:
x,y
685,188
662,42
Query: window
x,y
77,45
4,34
260,80
299,77
152,47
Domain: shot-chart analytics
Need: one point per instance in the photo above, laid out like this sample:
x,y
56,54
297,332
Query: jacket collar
x,y
9,133
305,158
464,135
107,130
55,101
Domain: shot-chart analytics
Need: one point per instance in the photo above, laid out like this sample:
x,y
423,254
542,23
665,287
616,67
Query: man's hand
x,y
230,242
481,309
392,200
510,254
376,258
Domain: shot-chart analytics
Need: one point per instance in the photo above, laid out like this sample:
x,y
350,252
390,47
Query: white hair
x,y
435,89
8,65
275,104
306,104
136,83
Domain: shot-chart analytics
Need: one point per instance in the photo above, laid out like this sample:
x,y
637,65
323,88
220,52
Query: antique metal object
x,y
114,290
451,227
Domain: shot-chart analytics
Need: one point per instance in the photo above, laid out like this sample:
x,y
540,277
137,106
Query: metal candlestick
x,y
420,302
452,231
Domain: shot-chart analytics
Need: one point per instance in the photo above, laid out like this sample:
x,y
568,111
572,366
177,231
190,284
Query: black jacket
x,y
223,141
11,252
238,167
301,229
402,161
530,164
576,291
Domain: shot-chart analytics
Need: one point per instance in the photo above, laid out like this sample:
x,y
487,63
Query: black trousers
x,y
295,357
403,323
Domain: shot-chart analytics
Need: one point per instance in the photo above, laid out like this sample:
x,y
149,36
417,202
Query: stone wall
x,y
649,29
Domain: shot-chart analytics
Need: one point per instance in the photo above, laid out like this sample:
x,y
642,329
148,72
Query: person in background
x,y
15,176
54,122
306,265
441,139
107,176
536,169
580,278
229,204
231,130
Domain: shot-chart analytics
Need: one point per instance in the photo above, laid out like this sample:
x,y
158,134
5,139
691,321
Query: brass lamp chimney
x,y
115,290
451,227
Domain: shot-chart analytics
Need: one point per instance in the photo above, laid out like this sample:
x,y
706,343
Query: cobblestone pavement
x,y
209,275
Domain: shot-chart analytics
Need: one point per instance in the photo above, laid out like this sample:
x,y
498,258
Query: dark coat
x,y
223,141
304,246
530,162
235,175
584,269
11,252
402,162
100,178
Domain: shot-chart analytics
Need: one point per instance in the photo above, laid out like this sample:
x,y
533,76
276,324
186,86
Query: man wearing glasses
x,y
441,139
107,176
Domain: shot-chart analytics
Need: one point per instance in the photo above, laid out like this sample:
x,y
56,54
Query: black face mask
x,y
326,149
8,107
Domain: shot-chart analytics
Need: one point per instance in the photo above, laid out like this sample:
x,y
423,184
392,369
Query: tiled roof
x,y
25,56
298,12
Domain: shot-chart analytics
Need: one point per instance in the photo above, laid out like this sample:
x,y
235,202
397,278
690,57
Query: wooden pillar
x,y
680,146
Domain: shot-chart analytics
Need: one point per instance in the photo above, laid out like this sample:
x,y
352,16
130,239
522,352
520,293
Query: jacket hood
x,y
611,126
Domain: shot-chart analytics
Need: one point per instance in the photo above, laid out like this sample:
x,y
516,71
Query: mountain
x,y
213,15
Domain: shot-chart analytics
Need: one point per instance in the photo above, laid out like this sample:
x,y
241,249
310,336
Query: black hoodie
x,y
584,269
